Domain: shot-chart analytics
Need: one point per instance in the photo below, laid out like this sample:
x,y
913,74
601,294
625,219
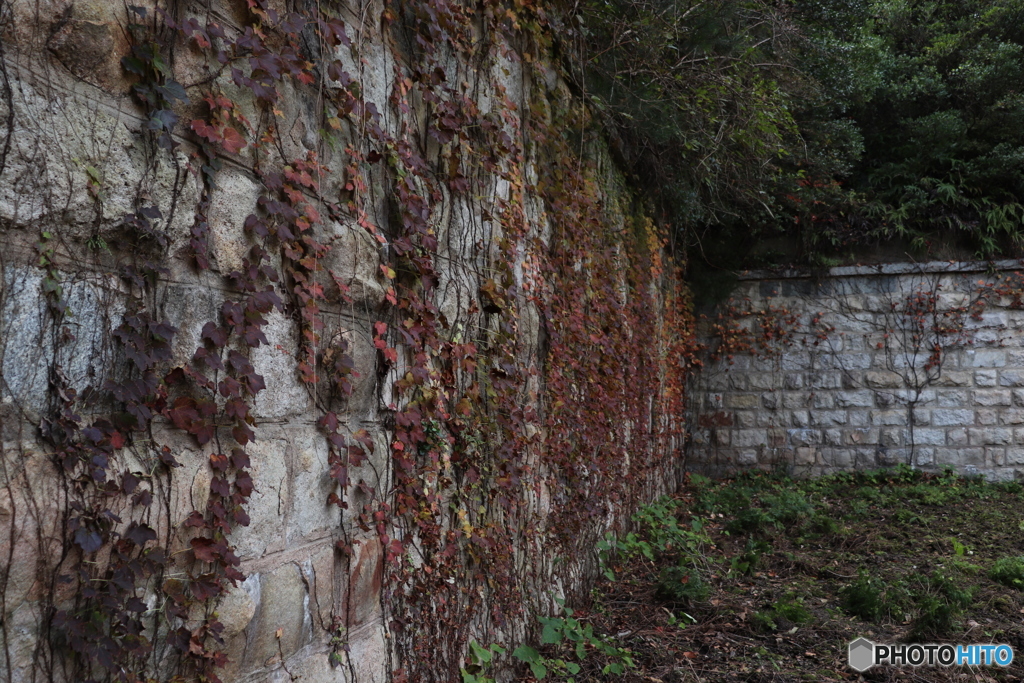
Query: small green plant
x,y
755,512
790,610
871,599
932,494
571,638
682,586
479,659
1009,571
749,520
824,525
1010,487
658,532
793,610
787,507
750,558
959,549
940,603
763,621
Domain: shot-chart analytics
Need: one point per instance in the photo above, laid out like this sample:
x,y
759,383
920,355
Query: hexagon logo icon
x,y
862,654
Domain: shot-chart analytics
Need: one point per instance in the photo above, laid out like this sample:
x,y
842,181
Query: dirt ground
x,y
779,576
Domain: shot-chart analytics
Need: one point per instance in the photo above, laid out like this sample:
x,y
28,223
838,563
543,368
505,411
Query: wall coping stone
x,y
883,269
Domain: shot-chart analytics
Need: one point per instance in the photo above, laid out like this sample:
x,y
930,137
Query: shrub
x,y
871,599
681,586
940,604
1008,571
789,610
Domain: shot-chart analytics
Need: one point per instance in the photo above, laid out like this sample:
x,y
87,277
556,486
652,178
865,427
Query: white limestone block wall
x,y
865,367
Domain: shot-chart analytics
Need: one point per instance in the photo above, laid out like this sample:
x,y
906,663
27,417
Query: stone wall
x,y
865,367
80,156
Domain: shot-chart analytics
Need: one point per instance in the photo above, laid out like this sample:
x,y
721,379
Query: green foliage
x,y
681,586
940,602
937,599
479,659
1009,571
658,532
871,599
784,613
747,561
770,136
570,639
824,525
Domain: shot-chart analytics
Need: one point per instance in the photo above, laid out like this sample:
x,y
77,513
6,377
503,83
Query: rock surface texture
x,y
866,367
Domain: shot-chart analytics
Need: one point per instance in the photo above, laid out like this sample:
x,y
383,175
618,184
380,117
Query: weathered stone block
x,y
956,437
796,360
233,199
354,258
888,417
855,399
855,361
270,498
285,396
804,437
1013,416
1011,378
282,623
888,457
992,398
746,457
953,378
952,398
949,418
930,437
311,484
987,416
990,437
861,437
883,380
985,358
795,400
770,401
858,418
736,381
747,401
762,381
745,438
995,457
924,456
825,381
892,438
802,418
886,399
745,419
805,455
822,401
793,380
985,378
828,417
776,440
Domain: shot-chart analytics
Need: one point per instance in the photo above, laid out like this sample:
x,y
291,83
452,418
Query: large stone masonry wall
x,y
865,367
78,154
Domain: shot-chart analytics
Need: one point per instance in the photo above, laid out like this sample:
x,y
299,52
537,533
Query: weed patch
x,y
1008,571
